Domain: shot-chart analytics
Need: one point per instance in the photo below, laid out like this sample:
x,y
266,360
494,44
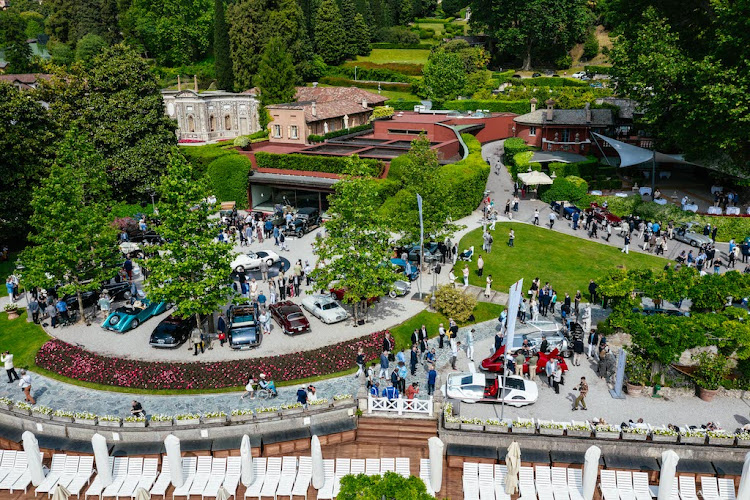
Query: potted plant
x,y
496,426
160,421
743,438
187,419
266,412
318,404
579,430
12,310
84,417
63,416
664,435
550,428
711,370
41,411
606,431
692,436
523,426
134,421
109,421
634,433
721,438
637,372
292,408
242,415
472,424
449,420
342,400
22,408
215,417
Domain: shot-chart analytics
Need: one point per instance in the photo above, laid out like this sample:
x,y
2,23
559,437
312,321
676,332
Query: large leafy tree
x,y
75,244
444,75
330,38
222,52
252,23
191,269
118,103
276,76
355,251
70,20
89,47
13,41
173,32
25,155
531,29
688,65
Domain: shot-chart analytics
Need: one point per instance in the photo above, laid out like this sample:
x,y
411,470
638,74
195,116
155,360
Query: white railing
x,y
399,405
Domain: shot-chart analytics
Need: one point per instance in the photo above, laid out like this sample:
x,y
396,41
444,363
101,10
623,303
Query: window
x,y
532,131
565,135
191,124
399,131
277,131
293,133
228,122
211,123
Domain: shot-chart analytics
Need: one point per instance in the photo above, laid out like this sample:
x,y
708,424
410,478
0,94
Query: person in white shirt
x,y
25,385
7,359
470,344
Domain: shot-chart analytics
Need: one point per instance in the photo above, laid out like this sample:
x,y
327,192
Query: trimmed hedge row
x,y
432,20
345,82
522,162
548,81
388,45
229,178
570,188
512,147
373,74
310,163
402,105
338,133
403,68
602,70
495,106
467,179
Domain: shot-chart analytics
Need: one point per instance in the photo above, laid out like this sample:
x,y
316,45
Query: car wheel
x,y
126,295
392,294
300,234
114,320
239,269
269,262
135,324
333,296
693,243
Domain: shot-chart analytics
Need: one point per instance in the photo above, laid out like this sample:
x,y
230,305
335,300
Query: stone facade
x,y
213,115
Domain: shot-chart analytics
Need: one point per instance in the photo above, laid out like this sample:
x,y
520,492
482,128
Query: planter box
x,y
41,415
67,420
660,438
721,441
190,421
159,423
21,411
472,427
242,418
607,435
452,425
743,442
343,402
693,440
267,415
634,436
579,433
498,429
109,423
85,421
215,420
292,411
523,430
134,424
551,432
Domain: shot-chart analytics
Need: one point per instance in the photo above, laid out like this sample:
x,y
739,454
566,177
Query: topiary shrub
x,y
512,147
229,178
309,163
454,303
242,141
569,188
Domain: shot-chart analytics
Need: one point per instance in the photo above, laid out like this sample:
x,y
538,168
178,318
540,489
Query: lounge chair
x,y
254,488
486,482
273,476
119,469
189,471
304,476
326,491
82,477
288,476
471,481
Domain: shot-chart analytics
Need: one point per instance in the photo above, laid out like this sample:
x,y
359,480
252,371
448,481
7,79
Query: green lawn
x,y
22,339
395,94
382,56
484,311
567,262
437,27
6,269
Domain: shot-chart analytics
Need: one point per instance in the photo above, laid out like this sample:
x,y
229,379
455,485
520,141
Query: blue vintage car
x,y
126,318
403,267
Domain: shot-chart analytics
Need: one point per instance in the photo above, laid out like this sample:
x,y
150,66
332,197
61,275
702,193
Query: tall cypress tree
x,y
329,33
223,59
276,76
348,12
362,36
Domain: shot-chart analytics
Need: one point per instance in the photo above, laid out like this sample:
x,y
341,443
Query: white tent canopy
x,y
633,155
535,178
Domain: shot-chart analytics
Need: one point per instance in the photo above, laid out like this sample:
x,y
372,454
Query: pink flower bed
x,y
76,363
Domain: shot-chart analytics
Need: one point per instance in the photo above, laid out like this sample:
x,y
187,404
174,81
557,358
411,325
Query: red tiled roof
x,y
350,94
324,110
27,78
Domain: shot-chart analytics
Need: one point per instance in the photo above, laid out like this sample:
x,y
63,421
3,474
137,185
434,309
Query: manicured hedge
x,y
345,82
396,169
602,70
522,162
310,163
401,105
467,179
548,81
381,74
202,156
338,133
229,178
495,106
512,147
569,188
387,45
402,68
431,20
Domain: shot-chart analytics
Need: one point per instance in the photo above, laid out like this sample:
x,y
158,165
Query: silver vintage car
x,y
687,234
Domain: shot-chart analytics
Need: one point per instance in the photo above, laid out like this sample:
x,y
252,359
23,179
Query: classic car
x,y
687,234
431,252
338,293
127,318
399,288
305,221
402,266
497,360
252,260
89,299
601,214
244,332
565,209
290,317
147,236
172,332
324,308
481,388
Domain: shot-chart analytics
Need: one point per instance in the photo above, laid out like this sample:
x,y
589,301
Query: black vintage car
x,y
172,332
244,331
147,236
305,221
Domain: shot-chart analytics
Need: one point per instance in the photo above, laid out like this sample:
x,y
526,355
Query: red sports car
x,y
601,214
495,362
290,317
338,294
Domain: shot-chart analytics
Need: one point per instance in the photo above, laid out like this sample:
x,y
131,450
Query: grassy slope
x,y
567,262
411,56
6,269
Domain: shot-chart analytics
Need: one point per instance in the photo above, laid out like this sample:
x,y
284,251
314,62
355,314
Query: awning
x,y
633,155
558,156
534,178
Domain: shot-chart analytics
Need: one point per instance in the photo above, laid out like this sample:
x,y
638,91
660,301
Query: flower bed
x,y
76,363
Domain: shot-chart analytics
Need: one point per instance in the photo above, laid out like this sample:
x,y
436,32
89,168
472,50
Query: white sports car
x,y
481,388
324,308
252,260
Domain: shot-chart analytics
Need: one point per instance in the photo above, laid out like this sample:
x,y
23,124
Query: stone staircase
x,y
395,431
496,297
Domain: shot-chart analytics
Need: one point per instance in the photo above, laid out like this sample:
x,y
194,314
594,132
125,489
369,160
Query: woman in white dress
x,y
488,288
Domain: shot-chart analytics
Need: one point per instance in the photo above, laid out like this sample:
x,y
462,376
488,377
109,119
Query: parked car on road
x,y
290,317
127,318
244,331
399,289
306,220
172,332
565,209
252,260
601,214
579,74
686,233
324,308
481,388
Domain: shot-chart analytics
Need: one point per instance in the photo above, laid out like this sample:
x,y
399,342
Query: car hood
x,y
167,336
298,323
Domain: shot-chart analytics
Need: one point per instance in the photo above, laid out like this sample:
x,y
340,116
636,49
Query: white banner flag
x,y
514,301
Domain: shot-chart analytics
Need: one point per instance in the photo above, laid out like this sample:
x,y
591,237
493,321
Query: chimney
x,y
587,107
195,82
364,103
314,109
179,84
550,108
533,102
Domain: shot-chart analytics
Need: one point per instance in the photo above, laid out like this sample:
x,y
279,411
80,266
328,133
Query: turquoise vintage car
x,y
126,318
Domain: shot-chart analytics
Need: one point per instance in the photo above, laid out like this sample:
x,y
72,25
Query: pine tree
x,y
348,13
276,76
406,15
223,59
362,36
329,33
